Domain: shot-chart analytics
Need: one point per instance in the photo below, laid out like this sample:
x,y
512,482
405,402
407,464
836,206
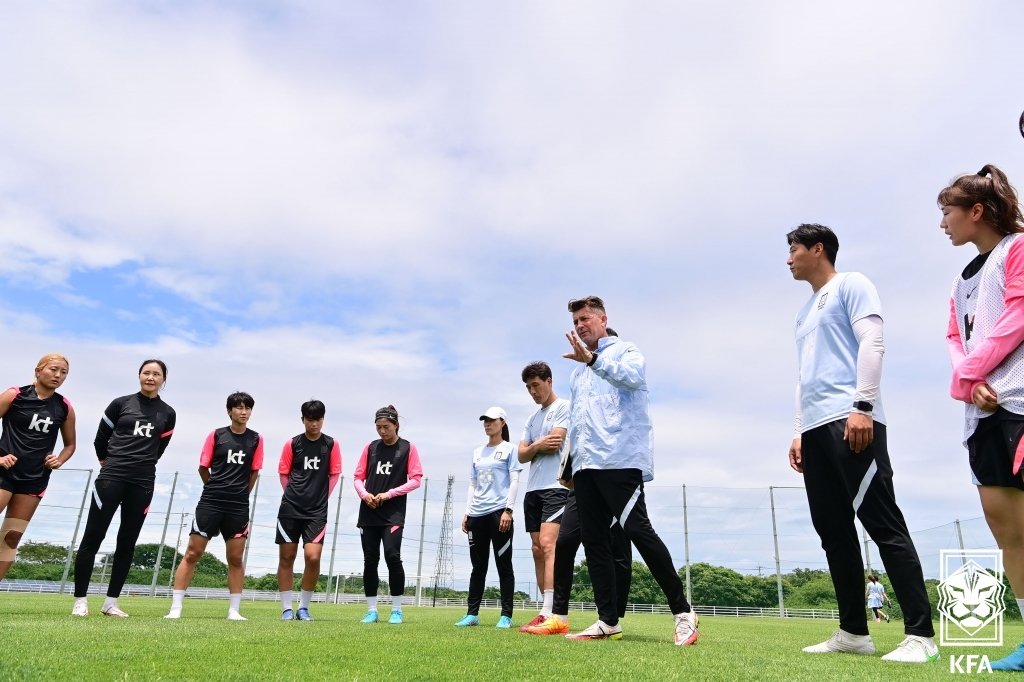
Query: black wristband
x,y
593,359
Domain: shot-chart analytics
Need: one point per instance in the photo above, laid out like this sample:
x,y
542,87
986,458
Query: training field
x,y
40,640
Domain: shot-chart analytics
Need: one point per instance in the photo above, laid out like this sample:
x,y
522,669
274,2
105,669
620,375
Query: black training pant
x,y
107,496
569,538
483,531
604,494
841,483
390,537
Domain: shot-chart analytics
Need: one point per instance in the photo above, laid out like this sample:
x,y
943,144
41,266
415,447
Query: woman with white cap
x,y
493,482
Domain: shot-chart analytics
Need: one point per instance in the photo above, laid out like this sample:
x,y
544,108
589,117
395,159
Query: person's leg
x,y
566,546
286,553
186,570
502,544
624,490
875,502
547,539
106,496
20,509
622,554
134,508
234,550
311,571
392,542
832,512
371,537
596,517
1004,509
479,557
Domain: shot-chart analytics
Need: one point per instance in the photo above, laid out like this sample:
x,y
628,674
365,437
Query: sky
x,y
378,204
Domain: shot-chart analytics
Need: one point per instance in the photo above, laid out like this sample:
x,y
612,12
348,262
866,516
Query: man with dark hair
x,y
542,443
309,469
840,447
610,441
229,464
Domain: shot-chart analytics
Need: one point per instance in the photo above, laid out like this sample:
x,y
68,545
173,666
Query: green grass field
x,y
40,640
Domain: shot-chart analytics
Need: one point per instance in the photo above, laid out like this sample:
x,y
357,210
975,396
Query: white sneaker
x,y
235,615
114,612
173,614
81,608
842,642
914,649
686,629
598,631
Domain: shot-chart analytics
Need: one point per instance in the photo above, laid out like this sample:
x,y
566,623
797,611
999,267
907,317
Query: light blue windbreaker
x,y
610,423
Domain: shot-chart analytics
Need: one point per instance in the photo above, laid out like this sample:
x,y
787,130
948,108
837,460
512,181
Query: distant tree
x,y
39,553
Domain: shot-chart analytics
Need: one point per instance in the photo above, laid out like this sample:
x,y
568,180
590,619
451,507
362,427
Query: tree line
x,y
802,588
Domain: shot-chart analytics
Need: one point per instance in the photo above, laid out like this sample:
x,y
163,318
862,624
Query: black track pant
x,y
483,532
569,538
841,483
604,494
106,498
391,538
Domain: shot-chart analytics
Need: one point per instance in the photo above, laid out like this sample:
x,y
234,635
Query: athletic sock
x,y
371,603
286,600
304,597
109,602
549,599
81,600
235,600
396,602
177,599
562,618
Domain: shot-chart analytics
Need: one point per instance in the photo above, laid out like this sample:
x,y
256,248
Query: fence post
x,y
177,543
74,536
959,534
252,517
686,547
778,563
334,540
163,537
867,548
423,530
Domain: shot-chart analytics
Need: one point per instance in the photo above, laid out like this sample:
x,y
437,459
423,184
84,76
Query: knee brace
x,y
8,551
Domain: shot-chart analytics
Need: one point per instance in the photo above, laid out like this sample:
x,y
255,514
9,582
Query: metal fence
x,y
755,531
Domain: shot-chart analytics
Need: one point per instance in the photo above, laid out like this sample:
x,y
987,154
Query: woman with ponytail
x,y
985,337
493,483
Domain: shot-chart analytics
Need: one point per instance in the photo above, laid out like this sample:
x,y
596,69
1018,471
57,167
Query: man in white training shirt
x,y
840,447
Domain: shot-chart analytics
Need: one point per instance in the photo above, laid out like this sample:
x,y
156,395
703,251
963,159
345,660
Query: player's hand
x,y
371,501
381,498
506,521
796,458
51,461
7,461
465,524
580,352
859,431
567,483
985,398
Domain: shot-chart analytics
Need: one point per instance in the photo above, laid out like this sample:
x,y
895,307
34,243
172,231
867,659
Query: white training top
x,y
827,348
490,478
544,466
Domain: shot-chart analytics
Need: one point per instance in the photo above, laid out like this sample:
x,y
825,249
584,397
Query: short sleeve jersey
x,y
132,436
30,429
827,348
544,466
491,476
231,458
309,465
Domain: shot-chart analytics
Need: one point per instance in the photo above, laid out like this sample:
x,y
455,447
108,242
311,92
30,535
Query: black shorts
x,y
312,531
544,506
35,488
996,450
210,522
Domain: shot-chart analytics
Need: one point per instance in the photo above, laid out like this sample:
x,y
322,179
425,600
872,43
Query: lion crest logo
x,y
971,597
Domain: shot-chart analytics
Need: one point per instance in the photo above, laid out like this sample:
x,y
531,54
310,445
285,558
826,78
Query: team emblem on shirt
x,y
144,430
821,301
236,457
41,425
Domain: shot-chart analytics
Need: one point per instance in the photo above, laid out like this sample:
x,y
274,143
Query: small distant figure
x,y
876,596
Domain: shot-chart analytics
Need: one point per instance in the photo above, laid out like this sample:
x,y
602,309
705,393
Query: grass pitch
x,y
41,641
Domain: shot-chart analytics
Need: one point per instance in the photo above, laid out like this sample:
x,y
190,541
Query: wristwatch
x,y
509,511
593,359
863,406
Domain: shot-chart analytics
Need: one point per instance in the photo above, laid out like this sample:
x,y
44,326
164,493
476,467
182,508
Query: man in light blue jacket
x,y
610,441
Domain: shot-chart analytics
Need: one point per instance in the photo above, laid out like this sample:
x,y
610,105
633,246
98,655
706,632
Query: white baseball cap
x,y
494,413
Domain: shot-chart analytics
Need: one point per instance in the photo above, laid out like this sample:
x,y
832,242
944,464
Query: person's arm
x,y
284,466
257,464
549,444
206,456
860,426
165,437
106,429
627,371
953,342
68,437
415,475
359,477
796,459
335,470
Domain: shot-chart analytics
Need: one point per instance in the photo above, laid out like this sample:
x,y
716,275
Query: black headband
x,y
385,413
